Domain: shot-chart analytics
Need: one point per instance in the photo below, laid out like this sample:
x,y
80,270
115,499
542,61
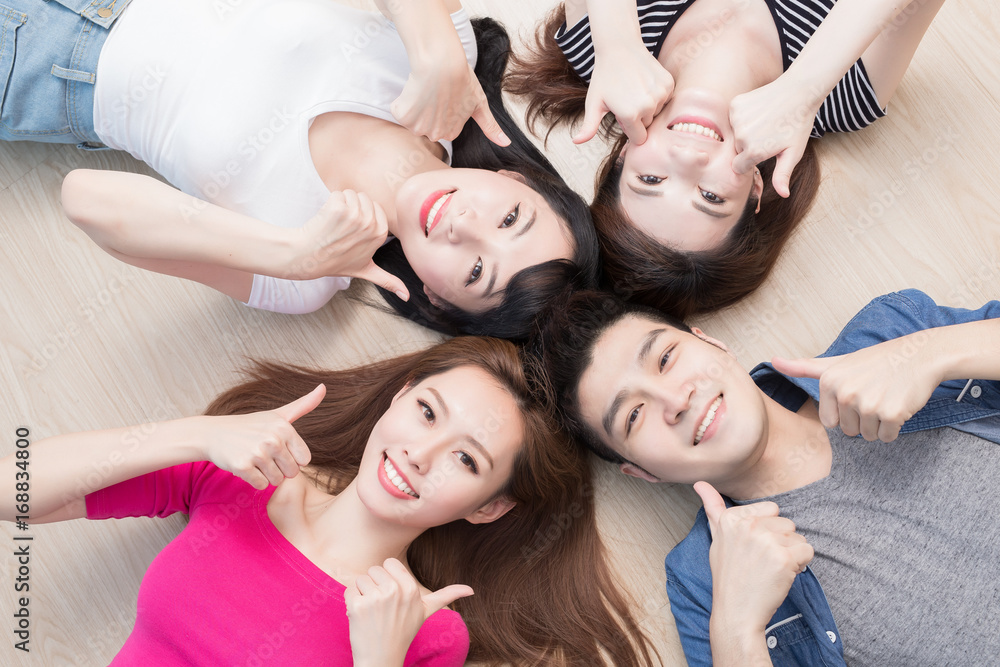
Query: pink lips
x,y
387,483
428,205
698,120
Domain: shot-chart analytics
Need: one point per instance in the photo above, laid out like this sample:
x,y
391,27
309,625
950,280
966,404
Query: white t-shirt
x,y
218,95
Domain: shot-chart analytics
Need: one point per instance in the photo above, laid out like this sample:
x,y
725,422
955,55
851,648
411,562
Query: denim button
x,y
772,641
104,12
976,391
832,636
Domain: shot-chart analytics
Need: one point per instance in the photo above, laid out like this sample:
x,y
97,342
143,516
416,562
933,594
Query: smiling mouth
x,y
696,128
707,421
397,479
433,214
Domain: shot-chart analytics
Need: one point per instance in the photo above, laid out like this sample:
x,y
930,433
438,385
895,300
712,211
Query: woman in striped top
x,y
691,205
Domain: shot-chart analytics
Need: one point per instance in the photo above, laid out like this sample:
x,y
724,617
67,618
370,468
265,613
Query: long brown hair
x,y
543,77
641,268
636,265
544,592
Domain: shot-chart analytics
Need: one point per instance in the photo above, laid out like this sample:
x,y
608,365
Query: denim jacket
x,y
802,631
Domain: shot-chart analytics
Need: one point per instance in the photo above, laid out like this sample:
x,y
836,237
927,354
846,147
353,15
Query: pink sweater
x,y
231,590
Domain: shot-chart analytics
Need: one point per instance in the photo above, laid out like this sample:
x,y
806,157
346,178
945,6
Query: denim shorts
x,y
48,63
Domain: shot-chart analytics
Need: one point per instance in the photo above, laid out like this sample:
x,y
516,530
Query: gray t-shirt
x,y
907,540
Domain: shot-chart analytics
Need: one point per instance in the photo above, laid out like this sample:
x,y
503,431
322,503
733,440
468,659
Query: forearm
x,y
427,31
65,468
843,36
735,645
141,217
968,350
614,25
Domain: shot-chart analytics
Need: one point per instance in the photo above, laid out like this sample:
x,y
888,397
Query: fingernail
x,y
403,295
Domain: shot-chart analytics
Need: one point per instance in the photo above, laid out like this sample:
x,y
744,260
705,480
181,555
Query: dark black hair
x,y
565,341
532,288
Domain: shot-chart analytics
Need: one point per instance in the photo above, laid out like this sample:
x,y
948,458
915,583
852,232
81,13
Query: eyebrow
x,y
644,192
526,226
492,281
475,443
714,214
496,272
640,360
482,450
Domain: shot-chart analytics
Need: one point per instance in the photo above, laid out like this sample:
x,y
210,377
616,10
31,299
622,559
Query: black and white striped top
x,y
851,105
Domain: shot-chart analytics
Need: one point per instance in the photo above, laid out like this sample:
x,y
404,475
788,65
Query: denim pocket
x,y
10,21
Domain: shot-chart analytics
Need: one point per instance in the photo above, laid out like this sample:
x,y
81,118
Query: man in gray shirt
x,y
904,533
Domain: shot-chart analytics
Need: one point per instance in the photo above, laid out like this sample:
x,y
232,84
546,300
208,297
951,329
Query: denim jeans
x,y
48,62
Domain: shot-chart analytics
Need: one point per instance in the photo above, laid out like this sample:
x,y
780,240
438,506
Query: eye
x,y
511,217
632,416
469,462
426,411
711,197
664,359
477,271
650,180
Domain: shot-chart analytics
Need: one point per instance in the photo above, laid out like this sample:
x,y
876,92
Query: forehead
x,y
477,406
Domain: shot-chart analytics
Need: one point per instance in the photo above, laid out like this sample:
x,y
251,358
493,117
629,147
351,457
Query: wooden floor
x,y
89,342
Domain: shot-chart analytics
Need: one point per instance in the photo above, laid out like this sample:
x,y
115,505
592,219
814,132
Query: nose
x,y
676,401
462,226
689,156
420,453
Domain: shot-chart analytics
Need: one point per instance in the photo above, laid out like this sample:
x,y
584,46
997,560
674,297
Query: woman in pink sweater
x,y
425,478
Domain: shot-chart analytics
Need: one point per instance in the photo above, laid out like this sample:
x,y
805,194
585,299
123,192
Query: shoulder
x,y
443,641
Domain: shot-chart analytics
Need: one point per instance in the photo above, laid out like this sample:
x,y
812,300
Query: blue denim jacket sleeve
x,y
884,318
802,632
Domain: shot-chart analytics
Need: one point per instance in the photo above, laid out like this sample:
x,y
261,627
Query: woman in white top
x,y
257,121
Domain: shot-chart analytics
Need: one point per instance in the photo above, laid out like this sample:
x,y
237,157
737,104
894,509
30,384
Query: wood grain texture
x,y
89,342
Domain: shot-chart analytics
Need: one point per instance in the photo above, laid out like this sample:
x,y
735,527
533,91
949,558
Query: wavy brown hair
x,y
636,265
544,591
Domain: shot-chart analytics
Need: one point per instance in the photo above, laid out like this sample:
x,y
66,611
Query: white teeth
x,y
434,211
394,476
694,128
707,421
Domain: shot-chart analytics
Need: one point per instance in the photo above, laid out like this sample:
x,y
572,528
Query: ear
x,y
517,176
712,341
633,470
491,511
432,296
757,189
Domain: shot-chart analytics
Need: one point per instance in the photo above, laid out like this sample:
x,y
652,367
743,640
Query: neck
x,y
356,152
795,452
720,64
355,538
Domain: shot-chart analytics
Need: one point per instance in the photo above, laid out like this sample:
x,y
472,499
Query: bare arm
x,y
260,447
154,226
776,119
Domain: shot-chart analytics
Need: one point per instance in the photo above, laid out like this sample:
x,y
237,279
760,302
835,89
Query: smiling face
x,y
442,451
673,403
679,185
466,232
